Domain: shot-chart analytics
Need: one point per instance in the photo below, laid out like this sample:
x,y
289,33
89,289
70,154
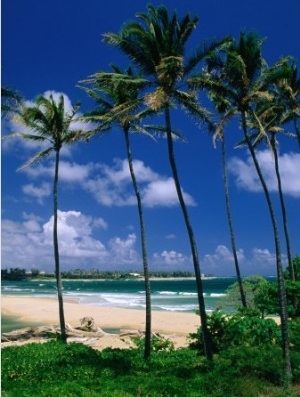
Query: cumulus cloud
x,y
37,192
29,243
124,250
163,193
221,260
171,260
258,261
112,185
246,177
68,171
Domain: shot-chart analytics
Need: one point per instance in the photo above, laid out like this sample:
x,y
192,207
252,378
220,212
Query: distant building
x,y
137,275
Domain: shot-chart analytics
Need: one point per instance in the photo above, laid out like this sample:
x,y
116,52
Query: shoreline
x,y
45,311
175,326
124,279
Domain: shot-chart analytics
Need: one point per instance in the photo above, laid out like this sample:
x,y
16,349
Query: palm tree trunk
x,y
283,210
230,223
56,254
203,317
280,279
147,349
285,223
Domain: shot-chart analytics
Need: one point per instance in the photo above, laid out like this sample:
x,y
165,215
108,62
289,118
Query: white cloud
x,y
39,193
172,259
124,250
221,261
259,261
100,223
263,256
247,179
112,185
31,242
68,172
163,193
171,236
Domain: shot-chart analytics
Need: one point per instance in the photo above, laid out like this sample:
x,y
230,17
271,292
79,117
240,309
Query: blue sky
x,y
49,47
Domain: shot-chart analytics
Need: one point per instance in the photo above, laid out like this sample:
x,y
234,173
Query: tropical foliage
x,y
246,371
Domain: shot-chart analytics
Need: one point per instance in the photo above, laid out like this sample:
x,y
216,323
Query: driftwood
x,y
87,329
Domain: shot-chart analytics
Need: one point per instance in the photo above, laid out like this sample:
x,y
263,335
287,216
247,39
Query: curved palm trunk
x,y
230,224
280,279
283,210
285,223
56,254
147,349
203,317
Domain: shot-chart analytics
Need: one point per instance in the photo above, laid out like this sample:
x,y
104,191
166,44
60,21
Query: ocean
x,y
170,295
177,295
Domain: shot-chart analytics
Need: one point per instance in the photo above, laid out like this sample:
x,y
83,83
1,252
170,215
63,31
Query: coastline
x,y
175,326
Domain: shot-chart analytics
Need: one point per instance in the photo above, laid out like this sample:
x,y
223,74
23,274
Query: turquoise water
x,y
178,295
167,295
10,323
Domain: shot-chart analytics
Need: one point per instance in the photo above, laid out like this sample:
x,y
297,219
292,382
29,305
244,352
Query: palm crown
x,y
48,121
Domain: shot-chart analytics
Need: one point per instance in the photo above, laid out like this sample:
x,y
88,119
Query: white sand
x,y
174,325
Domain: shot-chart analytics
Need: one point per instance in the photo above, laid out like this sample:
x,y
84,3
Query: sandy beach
x,y
173,325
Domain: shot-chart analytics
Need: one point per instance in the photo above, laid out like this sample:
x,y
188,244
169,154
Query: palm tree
x,y
209,79
117,97
283,109
157,45
49,122
268,126
244,71
230,223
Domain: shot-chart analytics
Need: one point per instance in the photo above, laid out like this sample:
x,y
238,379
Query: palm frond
x,y
159,131
36,158
205,51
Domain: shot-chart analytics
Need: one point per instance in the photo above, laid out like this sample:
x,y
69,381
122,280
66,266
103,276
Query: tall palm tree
x,y
277,115
244,71
209,79
117,97
230,223
49,122
266,127
156,44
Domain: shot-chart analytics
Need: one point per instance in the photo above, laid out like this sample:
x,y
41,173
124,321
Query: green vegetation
x,y
17,274
262,295
75,370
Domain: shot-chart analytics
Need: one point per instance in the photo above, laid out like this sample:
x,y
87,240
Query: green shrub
x,y
256,362
294,339
245,328
158,343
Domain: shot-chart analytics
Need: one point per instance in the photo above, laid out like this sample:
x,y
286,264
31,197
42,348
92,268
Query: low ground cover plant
x,y
74,370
